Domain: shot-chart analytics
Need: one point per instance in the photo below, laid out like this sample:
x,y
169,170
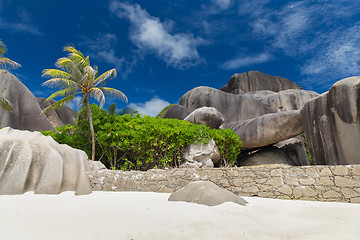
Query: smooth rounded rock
x,y
209,116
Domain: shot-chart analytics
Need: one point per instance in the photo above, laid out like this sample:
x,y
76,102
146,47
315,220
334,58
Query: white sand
x,y
134,215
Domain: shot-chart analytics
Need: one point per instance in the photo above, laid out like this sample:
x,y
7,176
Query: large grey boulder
x,y
233,107
176,111
26,113
268,155
332,124
267,129
295,149
30,161
206,193
58,117
201,156
256,81
291,99
209,116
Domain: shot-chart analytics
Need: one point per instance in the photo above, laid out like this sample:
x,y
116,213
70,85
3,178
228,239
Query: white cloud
x,y
24,23
151,108
223,4
246,61
150,35
75,103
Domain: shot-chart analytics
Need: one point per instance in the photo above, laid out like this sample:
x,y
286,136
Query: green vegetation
x,y
311,161
76,76
141,142
4,103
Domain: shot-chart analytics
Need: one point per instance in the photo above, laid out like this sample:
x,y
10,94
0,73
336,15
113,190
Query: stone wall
x,y
318,183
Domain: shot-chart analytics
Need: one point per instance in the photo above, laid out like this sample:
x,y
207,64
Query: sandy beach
x,y
139,215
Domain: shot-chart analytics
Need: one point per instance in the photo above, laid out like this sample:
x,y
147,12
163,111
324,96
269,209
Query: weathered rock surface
x,y
30,161
268,155
267,129
206,115
256,81
201,156
233,107
206,193
26,113
176,111
332,124
295,149
96,166
292,99
58,117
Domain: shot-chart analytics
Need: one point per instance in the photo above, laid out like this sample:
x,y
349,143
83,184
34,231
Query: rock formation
x,y
206,193
201,156
267,129
233,107
332,124
295,149
256,81
26,113
175,111
292,99
30,161
206,115
59,117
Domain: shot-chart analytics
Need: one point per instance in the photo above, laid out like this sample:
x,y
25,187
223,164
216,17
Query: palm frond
x,y
5,104
77,56
62,92
59,104
61,83
8,62
105,76
91,73
98,95
114,93
56,73
2,48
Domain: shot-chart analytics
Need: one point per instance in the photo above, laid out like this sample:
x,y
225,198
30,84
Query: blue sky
x,y
162,49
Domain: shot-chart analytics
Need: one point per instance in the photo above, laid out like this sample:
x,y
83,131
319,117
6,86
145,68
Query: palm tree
x,y
75,76
4,103
6,61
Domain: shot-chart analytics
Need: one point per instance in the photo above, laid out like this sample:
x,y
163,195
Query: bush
x,y
140,142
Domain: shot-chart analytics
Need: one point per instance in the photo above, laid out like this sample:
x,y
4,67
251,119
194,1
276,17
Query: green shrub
x,y
140,142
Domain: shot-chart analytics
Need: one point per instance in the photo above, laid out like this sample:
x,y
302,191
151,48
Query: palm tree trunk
x,y
91,128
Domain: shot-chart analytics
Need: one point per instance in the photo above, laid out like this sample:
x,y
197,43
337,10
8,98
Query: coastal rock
x,y
206,115
205,193
26,112
256,81
268,155
201,156
233,107
30,161
267,129
295,149
176,111
292,99
58,117
332,124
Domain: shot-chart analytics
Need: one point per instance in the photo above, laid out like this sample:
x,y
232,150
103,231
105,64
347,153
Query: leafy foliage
x,y
141,142
311,161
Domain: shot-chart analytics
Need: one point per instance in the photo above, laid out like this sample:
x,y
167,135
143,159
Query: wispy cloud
x,y
149,34
24,23
222,4
246,61
103,48
151,108
320,33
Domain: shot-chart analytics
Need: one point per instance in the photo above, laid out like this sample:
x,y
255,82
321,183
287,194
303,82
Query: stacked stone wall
x,y
318,183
